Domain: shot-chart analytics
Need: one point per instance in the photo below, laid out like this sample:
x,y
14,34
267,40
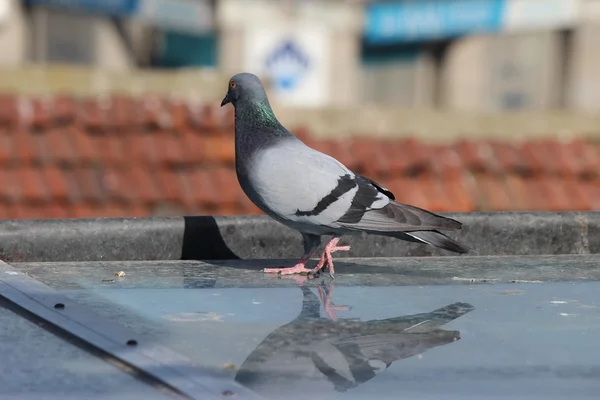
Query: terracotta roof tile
x,y
592,190
538,157
40,211
143,183
205,191
10,190
168,184
576,194
63,109
458,194
74,192
195,116
6,146
126,112
209,121
247,207
141,147
379,163
517,187
583,157
114,210
8,109
409,191
118,184
41,113
476,156
219,149
111,148
89,115
363,152
446,161
186,189
193,146
54,210
82,144
434,197
179,113
58,147
24,146
120,156
493,193
510,159
86,210
155,114
33,186
21,211
547,191
342,150
90,183
55,179
138,210
227,186
169,148
413,156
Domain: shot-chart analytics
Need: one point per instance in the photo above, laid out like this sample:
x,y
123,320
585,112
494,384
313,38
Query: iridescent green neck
x,y
256,113
265,113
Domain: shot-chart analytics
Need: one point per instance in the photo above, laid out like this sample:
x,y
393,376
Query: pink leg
x,y
329,307
330,248
299,268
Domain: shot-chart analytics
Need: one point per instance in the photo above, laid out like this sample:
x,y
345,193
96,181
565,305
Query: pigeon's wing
x,y
301,184
298,183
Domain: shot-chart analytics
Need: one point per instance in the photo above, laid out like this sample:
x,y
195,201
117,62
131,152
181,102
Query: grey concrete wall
x,y
524,71
14,35
584,75
253,237
464,76
343,21
495,73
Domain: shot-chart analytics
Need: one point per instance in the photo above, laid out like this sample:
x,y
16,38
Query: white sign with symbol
x,y
296,61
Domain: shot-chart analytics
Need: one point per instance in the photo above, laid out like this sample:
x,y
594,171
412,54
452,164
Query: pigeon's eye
x,y
232,84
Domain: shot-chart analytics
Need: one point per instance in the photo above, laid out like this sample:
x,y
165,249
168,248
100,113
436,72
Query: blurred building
x,y
471,55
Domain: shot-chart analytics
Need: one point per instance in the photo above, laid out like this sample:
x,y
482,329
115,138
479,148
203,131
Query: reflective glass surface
x,y
355,337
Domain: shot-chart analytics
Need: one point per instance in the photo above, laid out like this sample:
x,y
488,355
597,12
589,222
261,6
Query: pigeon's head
x,y
244,86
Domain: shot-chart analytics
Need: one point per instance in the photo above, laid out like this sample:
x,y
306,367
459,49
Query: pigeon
x,y
314,193
317,357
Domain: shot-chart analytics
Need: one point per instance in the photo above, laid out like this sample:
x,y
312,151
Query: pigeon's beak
x,y
225,100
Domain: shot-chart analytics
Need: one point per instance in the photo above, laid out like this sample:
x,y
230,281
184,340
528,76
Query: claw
x,y
326,259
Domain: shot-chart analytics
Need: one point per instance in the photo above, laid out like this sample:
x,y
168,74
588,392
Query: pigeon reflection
x,y
318,355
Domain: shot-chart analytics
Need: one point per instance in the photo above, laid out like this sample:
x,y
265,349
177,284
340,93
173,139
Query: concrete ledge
x,y
380,271
259,237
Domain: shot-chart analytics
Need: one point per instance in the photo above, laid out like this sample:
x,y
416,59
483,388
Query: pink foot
x,y
326,258
299,268
329,307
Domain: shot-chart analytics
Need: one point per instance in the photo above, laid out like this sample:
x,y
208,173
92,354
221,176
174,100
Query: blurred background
x,y
110,108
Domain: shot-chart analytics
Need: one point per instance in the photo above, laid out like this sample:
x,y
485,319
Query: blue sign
x,y
287,65
114,7
417,20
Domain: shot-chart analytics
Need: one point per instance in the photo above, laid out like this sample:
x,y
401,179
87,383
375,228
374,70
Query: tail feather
x,y
438,239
